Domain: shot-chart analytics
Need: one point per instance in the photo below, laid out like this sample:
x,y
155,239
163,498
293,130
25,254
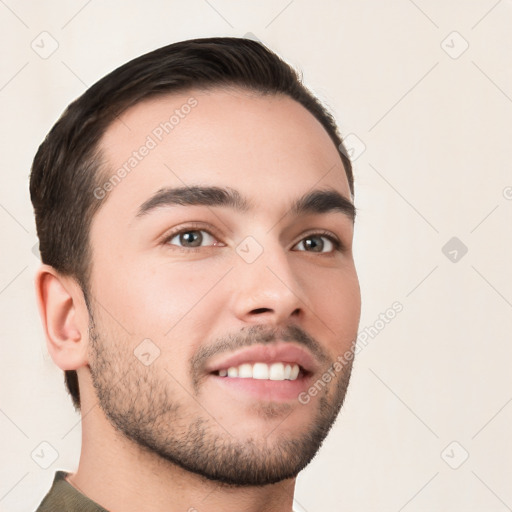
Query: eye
x,y
192,238
317,242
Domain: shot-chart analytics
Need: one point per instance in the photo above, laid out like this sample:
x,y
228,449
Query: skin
x,y
145,286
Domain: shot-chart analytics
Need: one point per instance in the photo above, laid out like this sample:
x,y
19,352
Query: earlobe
x,y
61,307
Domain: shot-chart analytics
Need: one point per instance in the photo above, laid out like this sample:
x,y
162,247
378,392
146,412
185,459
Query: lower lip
x,y
269,390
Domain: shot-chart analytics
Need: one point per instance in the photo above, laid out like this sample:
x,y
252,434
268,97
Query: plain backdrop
x,y
422,91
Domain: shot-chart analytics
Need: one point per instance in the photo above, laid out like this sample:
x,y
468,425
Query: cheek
x,y
172,304
164,297
336,300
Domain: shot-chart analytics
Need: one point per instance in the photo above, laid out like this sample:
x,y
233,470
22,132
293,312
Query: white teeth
x,y
263,371
245,371
260,371
277,371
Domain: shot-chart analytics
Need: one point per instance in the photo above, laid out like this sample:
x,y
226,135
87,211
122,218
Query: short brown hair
x,y
66,168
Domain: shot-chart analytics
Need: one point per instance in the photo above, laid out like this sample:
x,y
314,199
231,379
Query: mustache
x,y
254,335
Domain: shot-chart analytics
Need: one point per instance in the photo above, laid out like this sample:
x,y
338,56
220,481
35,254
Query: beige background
x,y
431,126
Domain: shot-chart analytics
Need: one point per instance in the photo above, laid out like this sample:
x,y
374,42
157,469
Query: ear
x,y
64,316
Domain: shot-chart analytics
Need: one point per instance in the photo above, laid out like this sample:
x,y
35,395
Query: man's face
x,y
180,292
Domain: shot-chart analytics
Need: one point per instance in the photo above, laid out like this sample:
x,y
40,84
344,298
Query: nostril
x,y
261,310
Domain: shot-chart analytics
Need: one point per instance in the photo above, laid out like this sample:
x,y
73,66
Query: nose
x,y
267,289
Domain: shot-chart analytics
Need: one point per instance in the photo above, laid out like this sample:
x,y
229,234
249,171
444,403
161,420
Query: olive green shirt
x,y
63,497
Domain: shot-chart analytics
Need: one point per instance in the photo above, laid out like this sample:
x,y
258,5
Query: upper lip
x,y
277,352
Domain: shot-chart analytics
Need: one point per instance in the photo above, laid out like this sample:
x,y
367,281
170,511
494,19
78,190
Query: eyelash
x,y
338,245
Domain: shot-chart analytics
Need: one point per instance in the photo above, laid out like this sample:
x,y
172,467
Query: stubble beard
x,y
137,401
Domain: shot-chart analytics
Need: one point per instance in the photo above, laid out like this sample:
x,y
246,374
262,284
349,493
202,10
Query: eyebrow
x,y
315,202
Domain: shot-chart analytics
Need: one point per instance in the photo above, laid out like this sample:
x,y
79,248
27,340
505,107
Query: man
x,y
195,215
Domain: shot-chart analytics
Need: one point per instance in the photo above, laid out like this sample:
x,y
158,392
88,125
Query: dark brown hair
x,y
66,168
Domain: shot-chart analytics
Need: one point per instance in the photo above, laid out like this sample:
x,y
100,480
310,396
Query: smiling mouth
x,y
277,371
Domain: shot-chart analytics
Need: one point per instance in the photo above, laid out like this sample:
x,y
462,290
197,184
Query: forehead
x,y
262,145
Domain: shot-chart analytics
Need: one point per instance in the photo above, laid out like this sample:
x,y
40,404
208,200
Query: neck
x,y
120,475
